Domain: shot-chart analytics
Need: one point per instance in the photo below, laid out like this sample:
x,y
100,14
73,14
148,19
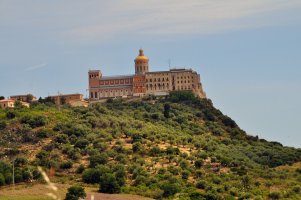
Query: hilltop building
x,y
10,103
24,98
7,103
71,99
144,82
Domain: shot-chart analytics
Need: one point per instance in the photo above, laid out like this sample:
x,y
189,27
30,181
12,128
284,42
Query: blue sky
x,y
247,52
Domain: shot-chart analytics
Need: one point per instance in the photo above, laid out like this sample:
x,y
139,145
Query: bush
x,y
75,192
274,195
66,165
10,114
20,161
196,196
2,180
198,163
98,159
81,143
2,125
80,169
201,185
296,189
109,184
185,174
43,133
62,139
34,121
91,176
170,189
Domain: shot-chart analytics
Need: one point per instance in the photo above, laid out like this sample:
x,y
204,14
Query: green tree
x,y
170,189
29,98
198,163
2,125
2,180
109,184
274,195
75,192
166,110
98,159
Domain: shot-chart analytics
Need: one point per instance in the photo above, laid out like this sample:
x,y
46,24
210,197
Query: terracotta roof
x,y
7,100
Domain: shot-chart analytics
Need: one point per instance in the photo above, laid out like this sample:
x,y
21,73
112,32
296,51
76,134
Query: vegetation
x,y
178,146
75,192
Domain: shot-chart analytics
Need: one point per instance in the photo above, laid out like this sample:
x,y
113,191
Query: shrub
x,y
20,161
201,185
8,178
296,189
2,180
166,110
10,114
75,192
274,195
196,196
66,165
98,159
2,125
43,133
198,163
62,139
34,121
80,169
81,143
91,176
169,189
43,158
185,174
109,184
120,176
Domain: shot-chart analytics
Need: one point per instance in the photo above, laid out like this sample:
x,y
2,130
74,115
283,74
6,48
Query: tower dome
x,y
141,63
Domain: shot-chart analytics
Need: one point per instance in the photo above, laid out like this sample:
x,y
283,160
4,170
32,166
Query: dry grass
x,y
39,192
30,192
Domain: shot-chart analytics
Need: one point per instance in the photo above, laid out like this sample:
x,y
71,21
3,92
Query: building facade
x,y
144,82
24,98
7,103
67,98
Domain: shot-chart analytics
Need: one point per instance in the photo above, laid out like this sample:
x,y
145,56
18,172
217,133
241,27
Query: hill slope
x,y
179,146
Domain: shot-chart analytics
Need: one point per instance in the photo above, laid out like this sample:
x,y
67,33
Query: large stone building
x,y
24,98
144,82
71,99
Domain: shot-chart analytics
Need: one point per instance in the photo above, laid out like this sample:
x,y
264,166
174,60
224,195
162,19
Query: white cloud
x,y
35,67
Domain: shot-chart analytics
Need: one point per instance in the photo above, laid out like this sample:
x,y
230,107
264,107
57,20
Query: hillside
x,y
160,148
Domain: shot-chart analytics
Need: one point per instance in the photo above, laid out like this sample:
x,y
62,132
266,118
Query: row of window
x,y
184,82
93,75
184,77
95,95
140,68
158,79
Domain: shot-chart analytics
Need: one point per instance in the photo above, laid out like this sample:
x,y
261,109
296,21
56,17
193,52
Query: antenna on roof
x,y
169,63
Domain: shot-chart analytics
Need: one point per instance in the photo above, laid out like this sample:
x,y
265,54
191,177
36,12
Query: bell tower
x,y
141,63
94,78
